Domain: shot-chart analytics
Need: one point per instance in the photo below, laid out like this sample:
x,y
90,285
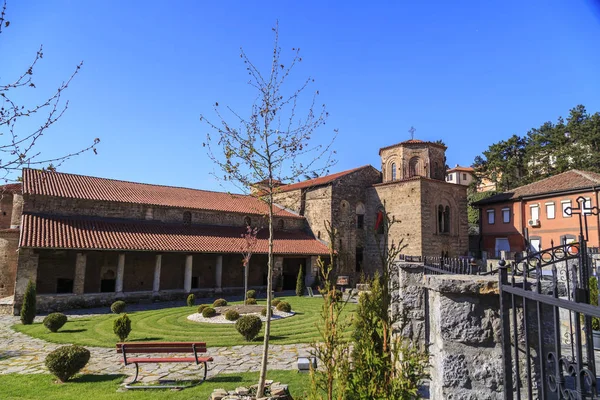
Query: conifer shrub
x,y
201,308
220,303
28,308
263,312
284,306
66,361
122,327
118,307
232,315
248,326
275,302
191,300
250,301
55,321
300,283
251,294
209,312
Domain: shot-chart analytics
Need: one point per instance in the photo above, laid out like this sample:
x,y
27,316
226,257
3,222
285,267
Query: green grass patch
x,y
171,324
102,387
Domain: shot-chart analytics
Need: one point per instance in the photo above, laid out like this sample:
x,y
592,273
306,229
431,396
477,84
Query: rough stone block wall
x,y
455,242
6,206
318,210
27,267
291,200
99,265
411,305
17,210
139,271
53,265
9,243
172,271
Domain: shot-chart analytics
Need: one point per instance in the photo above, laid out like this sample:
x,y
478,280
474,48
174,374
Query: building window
x,y
550,211
535,212
449,177
491,217
280,224
393,171
565,204
506,215
414,167
440,212
535,244
447,220
566,239
464,177
359,259
64,285
247,221
187,217
587,206
360,216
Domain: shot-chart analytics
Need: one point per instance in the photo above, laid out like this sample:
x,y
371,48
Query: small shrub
x,y
263,312
284,306
300,283
209,312
220,303
335,295
250,301
55,321
191,300
201,308
274,302
248,326
118,307
122,327
28,307
66,361
251,294
232,315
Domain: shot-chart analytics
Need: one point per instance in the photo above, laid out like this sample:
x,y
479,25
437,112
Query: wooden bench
x,y
131,352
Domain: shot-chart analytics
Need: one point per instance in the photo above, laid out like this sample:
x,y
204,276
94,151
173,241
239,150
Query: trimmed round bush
x,y
122,327
118,307
251,294
66,361
220,303
201,308
263,312
248,326
274,302
232,315
250,301
209,312
191,300
284,306
55,321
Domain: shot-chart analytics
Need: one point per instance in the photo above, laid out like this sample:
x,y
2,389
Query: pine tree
x,y
28,307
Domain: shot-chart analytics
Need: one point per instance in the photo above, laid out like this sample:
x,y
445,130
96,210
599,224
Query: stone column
x,y
409,302
79,280
120,273
311,270
187,279
219,274
26,271
157,266
277,271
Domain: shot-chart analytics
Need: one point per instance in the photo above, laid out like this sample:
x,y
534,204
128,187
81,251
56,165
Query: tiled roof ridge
x,y
413,141
520,188
325,180
586,175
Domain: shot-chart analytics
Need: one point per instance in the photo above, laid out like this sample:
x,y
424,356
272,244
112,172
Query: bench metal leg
x,y
137,371
203,365
205,371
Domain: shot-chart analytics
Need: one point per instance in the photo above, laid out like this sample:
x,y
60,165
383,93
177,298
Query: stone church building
x,y
87,241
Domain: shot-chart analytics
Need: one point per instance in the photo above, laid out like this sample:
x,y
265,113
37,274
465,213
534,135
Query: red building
x,y
534,215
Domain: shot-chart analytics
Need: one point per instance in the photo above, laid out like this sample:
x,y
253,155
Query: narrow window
x,y
587,206
359,259
464,177
565,204
447,219
247,221
506,215
280,224
440,219
491,217
393,171
535,212
360,221
187,217
550,211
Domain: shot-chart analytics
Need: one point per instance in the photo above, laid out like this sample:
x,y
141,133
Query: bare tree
x,y
250,241
271,144
18,149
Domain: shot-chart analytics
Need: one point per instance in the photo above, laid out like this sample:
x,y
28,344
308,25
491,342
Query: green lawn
x,y
101,387
171,324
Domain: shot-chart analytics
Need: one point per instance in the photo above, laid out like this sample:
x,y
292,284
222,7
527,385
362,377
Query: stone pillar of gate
x,y
157,268
277,272
465,337
79,279
187,279
409,302
26,271
120,274
219,274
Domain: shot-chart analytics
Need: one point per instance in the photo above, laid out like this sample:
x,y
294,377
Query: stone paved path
x,y
23,354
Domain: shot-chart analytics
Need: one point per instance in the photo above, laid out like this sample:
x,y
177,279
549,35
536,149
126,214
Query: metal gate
x,y
547,341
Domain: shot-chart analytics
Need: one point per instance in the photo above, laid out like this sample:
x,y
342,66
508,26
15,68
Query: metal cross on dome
x,y
582,211
412,131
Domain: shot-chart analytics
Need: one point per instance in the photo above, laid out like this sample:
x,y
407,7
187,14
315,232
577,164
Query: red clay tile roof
x,y
59,232
11,188
320,181
464,169
567,181
91,188
412,141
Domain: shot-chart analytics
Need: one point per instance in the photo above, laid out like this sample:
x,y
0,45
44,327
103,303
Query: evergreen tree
x,y
300,283
28,308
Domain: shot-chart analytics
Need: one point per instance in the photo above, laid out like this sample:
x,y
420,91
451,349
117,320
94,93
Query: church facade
x,y
87,241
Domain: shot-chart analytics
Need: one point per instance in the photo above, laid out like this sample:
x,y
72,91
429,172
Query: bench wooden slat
x,y
177,347
142,360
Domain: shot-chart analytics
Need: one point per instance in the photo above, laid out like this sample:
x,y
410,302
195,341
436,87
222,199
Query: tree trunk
x,y
246,267
265,355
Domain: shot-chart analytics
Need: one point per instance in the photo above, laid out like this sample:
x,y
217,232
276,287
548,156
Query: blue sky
x,y
468,72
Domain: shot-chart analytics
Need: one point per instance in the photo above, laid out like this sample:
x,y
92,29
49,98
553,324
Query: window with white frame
x,y
506,215
565,204
535,211
550,211
491,217
587,206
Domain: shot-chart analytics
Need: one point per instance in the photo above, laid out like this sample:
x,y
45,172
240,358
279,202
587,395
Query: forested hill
x,y
545,151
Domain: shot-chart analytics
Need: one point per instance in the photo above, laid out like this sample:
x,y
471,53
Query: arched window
x,y
393,171
187,217
247,221
280,224
414,167
447,219
440,215
360,216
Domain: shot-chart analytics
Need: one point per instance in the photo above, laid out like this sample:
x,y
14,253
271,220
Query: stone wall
x,y
291,200
6,206
9,243
317,210
411,306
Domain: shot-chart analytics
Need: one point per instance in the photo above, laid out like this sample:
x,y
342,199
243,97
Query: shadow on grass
x,y
272,337
72,330
145,339
89,378
225,379
9,354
